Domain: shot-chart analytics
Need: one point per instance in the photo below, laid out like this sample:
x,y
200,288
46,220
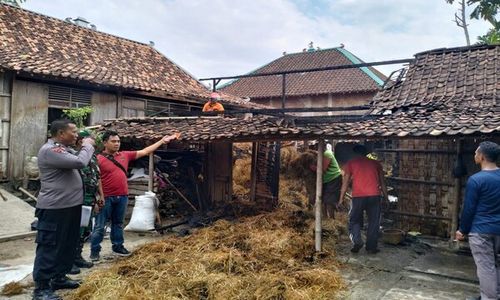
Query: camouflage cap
x,y
84,133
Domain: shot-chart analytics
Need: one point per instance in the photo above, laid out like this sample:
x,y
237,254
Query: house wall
x,y
24,110
328,100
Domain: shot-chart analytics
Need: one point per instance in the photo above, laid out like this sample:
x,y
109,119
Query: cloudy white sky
x,y
230,37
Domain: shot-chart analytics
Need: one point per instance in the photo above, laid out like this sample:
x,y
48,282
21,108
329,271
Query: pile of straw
x,y
300,170
267,256
12,288
241,176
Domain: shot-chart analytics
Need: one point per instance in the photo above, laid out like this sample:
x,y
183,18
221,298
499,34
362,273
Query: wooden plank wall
x,y
133,107
29,115
5,102
220,172
105,107
421,172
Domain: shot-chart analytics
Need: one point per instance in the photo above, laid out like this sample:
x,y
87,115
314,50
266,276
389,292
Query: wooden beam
x,y
151,172
319,195
415,151
253,171
411,180
422,216
455,210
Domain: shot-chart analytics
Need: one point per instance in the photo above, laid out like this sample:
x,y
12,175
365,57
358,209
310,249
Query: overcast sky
x,y
230,37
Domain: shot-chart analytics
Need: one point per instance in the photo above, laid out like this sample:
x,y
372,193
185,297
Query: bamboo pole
x,y
319,194
151,172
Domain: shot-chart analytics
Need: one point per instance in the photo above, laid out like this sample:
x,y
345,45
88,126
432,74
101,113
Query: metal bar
x,y
340,67
268,111
420,181
283,91
319,195
423,216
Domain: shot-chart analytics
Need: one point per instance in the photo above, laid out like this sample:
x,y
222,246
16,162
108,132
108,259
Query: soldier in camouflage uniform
x,y
91,180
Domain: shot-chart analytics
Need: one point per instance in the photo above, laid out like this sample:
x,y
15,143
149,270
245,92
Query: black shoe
x,y
46,294
64,283
121,251
356,248
82,263
474,298
372,251
94,256
74,270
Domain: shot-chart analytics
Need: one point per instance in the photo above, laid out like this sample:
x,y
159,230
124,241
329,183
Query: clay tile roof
x,y
465,77
414,123
42,45
325,82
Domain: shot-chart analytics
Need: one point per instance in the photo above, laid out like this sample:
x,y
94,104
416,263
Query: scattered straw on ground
x,y
12,288
268,256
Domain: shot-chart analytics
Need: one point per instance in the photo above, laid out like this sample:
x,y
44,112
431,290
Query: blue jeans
x,y
114,209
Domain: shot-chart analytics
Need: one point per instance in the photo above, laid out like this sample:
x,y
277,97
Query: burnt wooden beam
x,y
415,151
411,180
422,216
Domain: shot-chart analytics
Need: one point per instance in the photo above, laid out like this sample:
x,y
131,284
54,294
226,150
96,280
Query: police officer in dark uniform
x,y
59,209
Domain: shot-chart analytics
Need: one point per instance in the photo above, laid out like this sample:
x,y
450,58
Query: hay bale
x,y
267,256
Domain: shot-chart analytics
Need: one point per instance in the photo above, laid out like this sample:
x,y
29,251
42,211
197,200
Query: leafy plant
x,y
491,38
78,115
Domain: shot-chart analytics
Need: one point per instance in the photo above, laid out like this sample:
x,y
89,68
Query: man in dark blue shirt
x,y
481,219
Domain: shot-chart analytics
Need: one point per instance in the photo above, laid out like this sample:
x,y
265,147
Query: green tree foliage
x,y
78,115
487,10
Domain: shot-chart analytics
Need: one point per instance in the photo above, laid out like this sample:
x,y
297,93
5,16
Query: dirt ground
x,y
418,270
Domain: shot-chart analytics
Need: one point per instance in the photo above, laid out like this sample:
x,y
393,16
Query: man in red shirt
x,y
368,188
113,165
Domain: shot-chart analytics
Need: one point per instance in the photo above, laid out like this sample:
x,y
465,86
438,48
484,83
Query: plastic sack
x,y
144,213
31,166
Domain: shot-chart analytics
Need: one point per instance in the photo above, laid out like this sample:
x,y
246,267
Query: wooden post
x,y
151,172
319,194
455,208
253,171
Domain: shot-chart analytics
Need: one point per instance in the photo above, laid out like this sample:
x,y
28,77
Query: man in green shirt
x,y
332,182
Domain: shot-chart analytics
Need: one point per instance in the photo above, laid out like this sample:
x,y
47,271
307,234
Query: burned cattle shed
x,y
424,126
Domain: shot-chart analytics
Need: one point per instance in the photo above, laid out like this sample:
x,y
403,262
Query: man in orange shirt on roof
x,y
213,103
